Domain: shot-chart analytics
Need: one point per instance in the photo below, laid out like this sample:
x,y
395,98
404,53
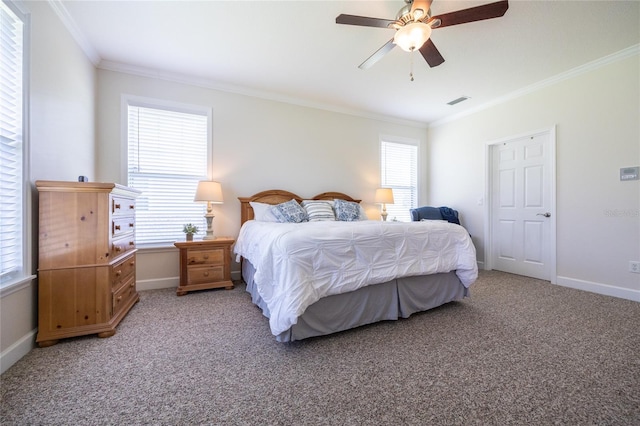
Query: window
x,y
12,146
168,154
399,171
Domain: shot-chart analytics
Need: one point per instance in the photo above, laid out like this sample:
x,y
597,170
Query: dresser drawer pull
x,y
206,256
206,274
132,243
132,263
117,207
132,284
118,249
131,225
119,298
118,273
132,206
117,227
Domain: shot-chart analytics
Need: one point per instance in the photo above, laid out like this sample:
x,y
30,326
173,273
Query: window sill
x,y
16,285
156,248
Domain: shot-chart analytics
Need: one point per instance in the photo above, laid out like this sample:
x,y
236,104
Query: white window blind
x,y
167,156
12,257
399,171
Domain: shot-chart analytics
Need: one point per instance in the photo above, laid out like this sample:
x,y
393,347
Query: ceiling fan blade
x,y
363,21
478,13
377,55
431,54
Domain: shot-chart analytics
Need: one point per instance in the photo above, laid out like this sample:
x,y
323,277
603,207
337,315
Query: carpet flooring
x,y
518,351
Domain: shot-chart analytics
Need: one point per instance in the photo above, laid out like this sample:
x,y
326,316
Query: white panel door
x,y
521,205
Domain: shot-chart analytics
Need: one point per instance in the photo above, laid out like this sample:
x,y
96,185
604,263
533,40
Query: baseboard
x,y
604,289
171,282
156,284
13,353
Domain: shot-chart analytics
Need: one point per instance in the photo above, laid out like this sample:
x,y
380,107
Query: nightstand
x,y
205,264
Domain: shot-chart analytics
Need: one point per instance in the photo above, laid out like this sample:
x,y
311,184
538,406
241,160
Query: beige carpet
x,y
518,351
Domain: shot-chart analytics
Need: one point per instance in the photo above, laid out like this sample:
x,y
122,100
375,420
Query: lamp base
x,y
384,213
209,235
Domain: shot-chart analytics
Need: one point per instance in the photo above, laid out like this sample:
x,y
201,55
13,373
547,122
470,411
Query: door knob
x,y
547,214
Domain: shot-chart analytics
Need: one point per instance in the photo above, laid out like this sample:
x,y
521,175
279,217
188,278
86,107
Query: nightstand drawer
x,y
206,257
205,274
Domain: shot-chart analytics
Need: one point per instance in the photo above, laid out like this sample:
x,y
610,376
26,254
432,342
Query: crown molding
x,y
574,72
75,31
244,91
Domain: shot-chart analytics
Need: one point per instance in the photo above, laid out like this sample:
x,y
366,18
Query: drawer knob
x,y
206,274
132,243
117,206
131,225
131,206
117,249
117,227
119,298
118,273
132,285
132,263
206,256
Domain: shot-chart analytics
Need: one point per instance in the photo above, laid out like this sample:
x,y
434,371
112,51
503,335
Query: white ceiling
x,y
294,51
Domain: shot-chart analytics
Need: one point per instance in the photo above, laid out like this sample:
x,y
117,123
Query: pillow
x,y
363,213
290,211
318,210
262,212
347,210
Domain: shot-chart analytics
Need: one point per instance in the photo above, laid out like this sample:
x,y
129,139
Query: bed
x,y
320,277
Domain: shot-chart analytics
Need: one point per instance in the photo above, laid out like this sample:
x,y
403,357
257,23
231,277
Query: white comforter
x,y
299,263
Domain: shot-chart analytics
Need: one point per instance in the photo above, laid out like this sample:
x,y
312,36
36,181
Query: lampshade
x,y
384,196
209,191
412,36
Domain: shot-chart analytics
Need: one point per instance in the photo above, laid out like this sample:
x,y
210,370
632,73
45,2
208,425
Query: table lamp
x,y
384,196
211,192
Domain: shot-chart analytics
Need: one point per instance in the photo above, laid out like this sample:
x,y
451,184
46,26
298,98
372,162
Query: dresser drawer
x,y
122,245
204,274
121,270
206,257
123,294
122,226
122,205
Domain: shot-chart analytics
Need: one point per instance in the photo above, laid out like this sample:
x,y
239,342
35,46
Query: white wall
x,y
596,114
62,145
258,144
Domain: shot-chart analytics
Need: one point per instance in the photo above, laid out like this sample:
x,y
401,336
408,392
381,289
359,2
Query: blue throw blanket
x,y
449,215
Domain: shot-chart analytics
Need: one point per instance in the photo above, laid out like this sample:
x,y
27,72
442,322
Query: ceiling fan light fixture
x,y
412,36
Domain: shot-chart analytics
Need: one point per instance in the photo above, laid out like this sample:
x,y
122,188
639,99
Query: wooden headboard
x,y
277,196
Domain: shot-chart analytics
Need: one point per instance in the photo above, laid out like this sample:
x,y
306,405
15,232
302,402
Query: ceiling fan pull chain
x,y
411,64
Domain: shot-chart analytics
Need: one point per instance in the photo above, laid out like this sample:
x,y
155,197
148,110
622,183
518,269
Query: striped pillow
x,y
318,210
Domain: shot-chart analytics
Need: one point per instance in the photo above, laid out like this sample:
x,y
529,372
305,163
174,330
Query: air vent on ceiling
x,y
457,101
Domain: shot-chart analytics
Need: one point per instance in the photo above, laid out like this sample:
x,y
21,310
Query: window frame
x,y
401,141
154,103
25,276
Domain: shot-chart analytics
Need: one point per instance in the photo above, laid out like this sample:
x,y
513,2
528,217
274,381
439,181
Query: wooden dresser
x,y
87,261
205,264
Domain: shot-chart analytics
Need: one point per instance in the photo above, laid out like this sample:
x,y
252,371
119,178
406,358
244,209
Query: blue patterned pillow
x,y
290,211
347,211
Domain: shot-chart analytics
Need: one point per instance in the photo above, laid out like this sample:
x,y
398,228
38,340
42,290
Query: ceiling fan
x,y
413,25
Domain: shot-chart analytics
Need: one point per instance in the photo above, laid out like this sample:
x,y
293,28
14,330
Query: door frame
x,y
488,198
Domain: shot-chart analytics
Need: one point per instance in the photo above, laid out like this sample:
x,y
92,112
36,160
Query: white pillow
x,y
262,212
